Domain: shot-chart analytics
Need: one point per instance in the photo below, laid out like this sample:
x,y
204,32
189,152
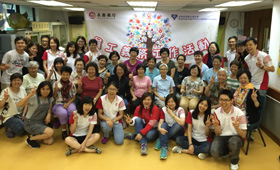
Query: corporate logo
x,y
174,16
91,15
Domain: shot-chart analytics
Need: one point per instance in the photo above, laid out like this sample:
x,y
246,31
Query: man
x,y
259,64
208,75
230,54
13,61
43,47
230,126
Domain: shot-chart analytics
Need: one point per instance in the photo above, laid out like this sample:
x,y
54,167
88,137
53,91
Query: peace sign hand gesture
x,y
215,120
6,94
254,95
208,121
212,80
259,63
127,118
33,91
236,123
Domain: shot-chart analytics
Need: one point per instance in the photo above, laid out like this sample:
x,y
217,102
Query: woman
x,y
132,62
232,79
114,57
10,113
152,71
84,129
172,120
140,85
32,49
71,54
198,130
110,111
50,55
241,53
102,70
39,114
180,73
191,89
246,97
55,72
213,88
212,50
79,71
92,54
162,85
164,53
90,85
82,46
145,120
33,78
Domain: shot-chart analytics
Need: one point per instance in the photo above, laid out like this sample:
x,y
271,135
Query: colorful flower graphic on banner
x,y
149,31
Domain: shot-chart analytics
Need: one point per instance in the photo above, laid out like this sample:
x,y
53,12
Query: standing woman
x,y
92,54
198,130
180,73
38,115
32,49
164,53
102,70
212,50
82,46
152,71
114,57
241,53
50,55
132,63
71,54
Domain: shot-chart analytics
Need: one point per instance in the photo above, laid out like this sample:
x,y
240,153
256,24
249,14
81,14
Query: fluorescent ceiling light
x,y
144,9
237,3
50,3
212,9
76,9
142,3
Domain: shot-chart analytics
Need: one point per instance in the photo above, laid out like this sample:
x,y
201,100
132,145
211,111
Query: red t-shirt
x,y
91,87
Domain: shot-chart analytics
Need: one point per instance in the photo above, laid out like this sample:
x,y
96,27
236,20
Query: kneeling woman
x,y
198,130
39,103
145,119
172,120
83,128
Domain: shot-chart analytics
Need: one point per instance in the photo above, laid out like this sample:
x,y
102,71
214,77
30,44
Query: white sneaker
x,y
202,155
177,149
234,166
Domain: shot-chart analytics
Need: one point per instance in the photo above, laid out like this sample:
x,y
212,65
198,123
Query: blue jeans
x,y
199,147
150,136
16,125
173,132
117,130
223,145
262,92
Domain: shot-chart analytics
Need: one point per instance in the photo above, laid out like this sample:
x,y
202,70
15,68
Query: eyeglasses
x,y
224,100
112,89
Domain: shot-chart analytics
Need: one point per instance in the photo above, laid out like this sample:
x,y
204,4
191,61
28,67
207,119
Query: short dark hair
x,y
92,64
217,56
244,71
235,62
164,49
173,96
198,69
240,43
114,53
70,44
56,41
58,60
20,38
181,55
251,39
86,100
113,83
152,58
66,69
79,59
92,41
206,113
45,36
134,49
198,53
226,92
15,76
232,37
140,66
43,84
216,45
123,66
101,57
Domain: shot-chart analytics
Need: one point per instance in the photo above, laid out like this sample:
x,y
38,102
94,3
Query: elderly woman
x,y
246,97
33,78
213,89
162,85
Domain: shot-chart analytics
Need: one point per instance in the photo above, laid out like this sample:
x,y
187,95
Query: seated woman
x,y
198,130
10,114
33,78
55,72
162,86
145,120
213,89
84,129
231,79
64,95
140,85
172,120
114,57
152,71
246,97
191,89
164,53
180,73
39,103
110,111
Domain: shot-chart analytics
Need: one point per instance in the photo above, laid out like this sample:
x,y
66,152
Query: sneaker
x,y
234,166
128,135
32,143
104,140
202,155
97,150
69,151
157,146
164,153
9,133
177,149
144,149
64,134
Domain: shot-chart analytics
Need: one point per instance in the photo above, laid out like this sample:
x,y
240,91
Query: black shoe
x,y
64,134
32,143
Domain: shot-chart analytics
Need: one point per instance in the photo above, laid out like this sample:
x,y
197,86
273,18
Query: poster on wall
x,y
181,32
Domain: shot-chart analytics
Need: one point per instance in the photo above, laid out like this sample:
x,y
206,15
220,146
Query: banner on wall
x,y
181,32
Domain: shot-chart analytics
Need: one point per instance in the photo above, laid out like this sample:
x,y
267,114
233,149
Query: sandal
x,y
97,150
69,151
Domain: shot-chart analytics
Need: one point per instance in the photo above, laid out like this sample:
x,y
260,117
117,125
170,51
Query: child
x,y
55,72
198,130
172,120
83,128
38,115
64,96
71,54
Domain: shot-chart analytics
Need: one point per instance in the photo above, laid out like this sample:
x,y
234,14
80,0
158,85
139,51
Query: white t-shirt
x,y
48,55
230,57
94,56
198,127
29,82
168,119
83,124
16,61
71,61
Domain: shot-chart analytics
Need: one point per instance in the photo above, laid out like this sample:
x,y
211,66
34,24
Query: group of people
x,y
162,100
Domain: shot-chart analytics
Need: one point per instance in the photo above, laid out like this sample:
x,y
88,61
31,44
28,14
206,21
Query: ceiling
x,y
163,5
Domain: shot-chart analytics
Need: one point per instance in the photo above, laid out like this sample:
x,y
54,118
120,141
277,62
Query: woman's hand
x,y
138,137
191,149
208,121
48,118
6,94
162,131
254,95
127,119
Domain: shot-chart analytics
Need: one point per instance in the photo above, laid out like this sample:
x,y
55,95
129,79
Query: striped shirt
x,y
234,83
